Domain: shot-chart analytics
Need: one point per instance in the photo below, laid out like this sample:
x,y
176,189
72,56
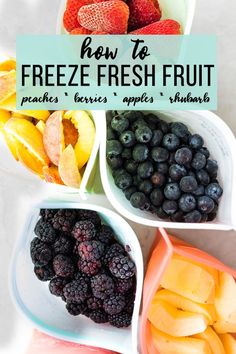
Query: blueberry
x,y
145,186
137,180
198,161
187,203
196,141
178,216
160,213
127,138
118,172
138,200
179,129
145,169
205,152
159,154
114,148
162,167
143,134
131,166
114,162
170,207
199,191
170,141
110,134
203,177
140,152
133,115
158,179
214,191
176,172
183,156
126,154
152,118
212,168
157,136
193,217
156,197
188,184
172,191
171,159
123,180
163,126
119,123
129,191
139,123
205,204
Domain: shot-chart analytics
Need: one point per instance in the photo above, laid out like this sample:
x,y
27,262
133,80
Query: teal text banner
x,y
116,72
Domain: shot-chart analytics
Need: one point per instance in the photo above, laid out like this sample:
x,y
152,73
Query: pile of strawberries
x,y
117,17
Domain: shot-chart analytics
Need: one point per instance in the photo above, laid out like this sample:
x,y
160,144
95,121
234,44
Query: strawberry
x,y
142,13
70,21
80,30
108,16
160,27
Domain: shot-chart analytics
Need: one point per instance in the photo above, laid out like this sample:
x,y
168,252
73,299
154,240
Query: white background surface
x,y
16,194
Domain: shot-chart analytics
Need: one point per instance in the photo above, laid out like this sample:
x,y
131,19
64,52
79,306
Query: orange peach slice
x,y
51,174
7,85
68,169
53,137
8,64
29,160
4,116
27,134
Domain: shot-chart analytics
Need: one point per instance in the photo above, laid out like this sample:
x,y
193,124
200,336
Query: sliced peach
x,y
7,85
29,160
51,174
11,143
27,134
21,116
86,129
8,64
53,137
40,126
4,116
70,132
68,169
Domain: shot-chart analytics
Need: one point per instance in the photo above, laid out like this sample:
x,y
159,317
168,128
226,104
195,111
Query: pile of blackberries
x,y
162,168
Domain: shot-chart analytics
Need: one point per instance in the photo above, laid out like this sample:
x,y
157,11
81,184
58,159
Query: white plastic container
x,y
48,313
222,145
179,10
8,163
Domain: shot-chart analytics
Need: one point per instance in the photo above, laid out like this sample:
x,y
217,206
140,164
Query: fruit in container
x,y
68,169
229,343
210,336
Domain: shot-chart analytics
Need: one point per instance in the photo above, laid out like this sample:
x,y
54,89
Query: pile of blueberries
x,y
161,167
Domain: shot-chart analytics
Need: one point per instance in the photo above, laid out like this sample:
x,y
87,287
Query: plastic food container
x,y
163,249
179,10
47,312
222,146
88,182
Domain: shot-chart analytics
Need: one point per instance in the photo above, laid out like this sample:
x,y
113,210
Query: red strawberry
x,y
80,30
142,13
70,20
108,16
160,27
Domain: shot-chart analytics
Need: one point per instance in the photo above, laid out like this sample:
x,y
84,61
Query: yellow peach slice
x,y
210,336
27,134
51,174
29,160
40,126
21,116
8,64
53,137
229,343
7,85
68,169
4,116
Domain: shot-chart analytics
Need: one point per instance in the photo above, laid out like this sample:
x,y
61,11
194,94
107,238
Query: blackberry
x,y
102,286
63,245
122,267
45,231
120,320
119,123
80,275
123,285
56,285
64,220
114,250
157,136
140,152
63,266
84,230
91,250
94,303
89,267
91,215
40,252
127,138
129,308
114,304
47,214
105,234
98,316
76,291
44,273
75,308
114,148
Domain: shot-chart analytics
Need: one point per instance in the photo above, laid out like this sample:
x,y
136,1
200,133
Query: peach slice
x,y
27,134
68,169
29,160
8,64
53,137
4,116
21,116
7,85
40,126
51,174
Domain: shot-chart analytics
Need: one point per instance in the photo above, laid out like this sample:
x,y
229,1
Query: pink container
x,y
164,247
